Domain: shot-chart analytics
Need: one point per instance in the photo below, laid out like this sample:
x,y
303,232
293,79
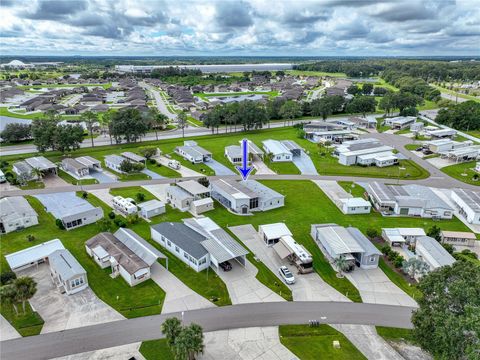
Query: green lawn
x,y
27,324
475,133
395,334
142,300
163,170
352,188
131,192
70,179
457,171
287,167
315,343
398,280
5,112
156,350
454,93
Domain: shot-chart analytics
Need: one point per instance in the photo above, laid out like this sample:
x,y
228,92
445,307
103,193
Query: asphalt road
x,y
89,338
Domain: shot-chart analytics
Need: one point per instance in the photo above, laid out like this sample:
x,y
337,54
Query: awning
x,y
281,250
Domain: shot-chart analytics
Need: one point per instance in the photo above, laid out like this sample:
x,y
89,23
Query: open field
x,y
312,343
454,93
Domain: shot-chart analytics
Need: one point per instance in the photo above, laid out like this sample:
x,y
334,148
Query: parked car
x,y
226,266
427,152
419,148
286,275
174,164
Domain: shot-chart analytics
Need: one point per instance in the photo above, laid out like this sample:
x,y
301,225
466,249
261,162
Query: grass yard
x,y
316,343
267,278
27,324
70,179
4,111
475,133
457,171
352,188
380,126
131,192
395,334
398,280
156,350
163,170
142,300
454,93
287,167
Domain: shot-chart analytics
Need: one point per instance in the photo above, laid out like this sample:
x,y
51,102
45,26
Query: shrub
x,y
398,262
152,161
59,224
119,222
372,233
6,277
393,255
30,237
140,196
385,249
111,215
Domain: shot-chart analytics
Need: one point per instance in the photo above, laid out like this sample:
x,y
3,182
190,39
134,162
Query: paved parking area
x,y
152,174
305,164
219,168
376,288
179,296
61,311
246,344
243,286
7,187
63,204
103,177
308,287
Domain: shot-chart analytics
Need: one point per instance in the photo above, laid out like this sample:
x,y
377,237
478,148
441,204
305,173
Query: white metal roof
x,y
275,147
193,187
40,163
357,201
433,252
65,264
33,253
339,239
275,231
151,205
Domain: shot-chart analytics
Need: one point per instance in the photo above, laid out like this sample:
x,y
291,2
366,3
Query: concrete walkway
x,y
305,164
179,296
7,331
246,344
219,168
262,168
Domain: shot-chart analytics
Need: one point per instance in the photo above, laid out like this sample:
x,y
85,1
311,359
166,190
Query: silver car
x,y
286,275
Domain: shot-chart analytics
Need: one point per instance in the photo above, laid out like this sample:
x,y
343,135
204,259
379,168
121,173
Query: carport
x,y
293,147
33,255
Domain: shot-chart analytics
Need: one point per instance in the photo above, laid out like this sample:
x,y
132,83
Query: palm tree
x,y
189,343
171,327
182,122
25,288
38,174
156,120
90,118
342,264
105,121
8,294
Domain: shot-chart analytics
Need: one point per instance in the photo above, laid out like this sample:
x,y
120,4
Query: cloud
x,y
300,27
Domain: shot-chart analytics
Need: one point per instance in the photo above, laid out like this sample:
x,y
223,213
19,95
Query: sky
x,y
240,27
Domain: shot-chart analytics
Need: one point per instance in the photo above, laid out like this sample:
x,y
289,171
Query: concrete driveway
x,y
246,344
152,174
244,287
157,190
118,352
52,181
305,164
60,311
7,330
334,191
183,171
439,163
179,296
219,168
103,177
262,169
375,287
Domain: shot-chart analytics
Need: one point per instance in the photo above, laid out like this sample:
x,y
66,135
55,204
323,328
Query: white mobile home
x,y
348,243
190,151
401,236
432,252
149,209
33,255
467,203
277,150
234,154
126,253
75,167
400,122
355,206
114,162
16,214
66,272
458,238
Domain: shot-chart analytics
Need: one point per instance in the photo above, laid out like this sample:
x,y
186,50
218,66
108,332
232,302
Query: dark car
x,y
226,266
419,149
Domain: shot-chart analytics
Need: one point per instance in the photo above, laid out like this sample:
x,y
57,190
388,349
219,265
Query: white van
x,y
174,164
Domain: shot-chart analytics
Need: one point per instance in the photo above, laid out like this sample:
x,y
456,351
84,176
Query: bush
x,y
59,224
393,255
120,223
6,277
140,196
373,233
398,262
30,237
152,161
470,254
111,215
385,249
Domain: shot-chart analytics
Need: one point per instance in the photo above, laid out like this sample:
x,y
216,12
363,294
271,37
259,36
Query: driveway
x,y
305,164
183,171
246,344
62,311
375,287
118,352
334,191
439,163
244,287
179,296
52,181
152,174
7,330
157,190
262,169
103,177
105,196
219,168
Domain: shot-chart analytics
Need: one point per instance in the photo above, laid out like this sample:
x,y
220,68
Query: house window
x,y
177,249
169,243
185,255
72,284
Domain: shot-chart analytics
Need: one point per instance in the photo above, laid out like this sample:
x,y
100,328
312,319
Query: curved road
x,y
95,337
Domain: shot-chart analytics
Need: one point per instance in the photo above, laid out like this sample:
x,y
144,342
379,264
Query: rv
x,y
298,255
174,164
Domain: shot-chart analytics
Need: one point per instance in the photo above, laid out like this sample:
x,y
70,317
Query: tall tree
x,y
189,343
90,119
128,124
67,137
447,322
156,119
362,104
8,294
367,89
25,288
43,131
291,110
171,327
182,122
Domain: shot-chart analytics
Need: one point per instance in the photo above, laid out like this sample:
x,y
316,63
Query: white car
x,y
286,275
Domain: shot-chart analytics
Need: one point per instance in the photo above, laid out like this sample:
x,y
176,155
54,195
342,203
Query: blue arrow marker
x,y
244,169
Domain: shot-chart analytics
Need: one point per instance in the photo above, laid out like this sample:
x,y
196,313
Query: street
x,y
128,331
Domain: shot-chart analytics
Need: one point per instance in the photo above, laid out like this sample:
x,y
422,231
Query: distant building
x,y
16,214
400,122
401,236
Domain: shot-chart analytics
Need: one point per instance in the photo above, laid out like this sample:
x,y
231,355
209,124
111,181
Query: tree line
x,y
462,116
